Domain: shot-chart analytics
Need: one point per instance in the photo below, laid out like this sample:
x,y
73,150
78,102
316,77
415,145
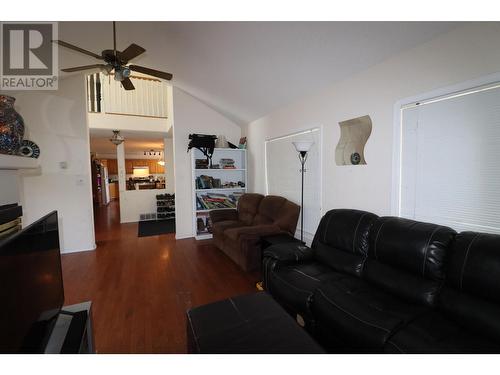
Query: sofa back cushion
x,y
248,205
341,241
288,216
407,258
472,293
269,207
474,265
279,211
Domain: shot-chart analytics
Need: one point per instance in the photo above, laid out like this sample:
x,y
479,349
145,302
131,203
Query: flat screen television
x,y
31,286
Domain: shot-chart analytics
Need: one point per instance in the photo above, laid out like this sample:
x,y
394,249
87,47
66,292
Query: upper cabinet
x,y
152,164
112,166
129,166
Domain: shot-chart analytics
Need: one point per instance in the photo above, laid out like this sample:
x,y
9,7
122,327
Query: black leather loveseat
x,y
372,284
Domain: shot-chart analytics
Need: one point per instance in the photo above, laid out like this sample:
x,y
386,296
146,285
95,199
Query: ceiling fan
x,y
116,61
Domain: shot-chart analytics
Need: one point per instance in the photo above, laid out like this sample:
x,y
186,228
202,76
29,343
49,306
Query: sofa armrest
x,y
282,254
223,215
288,252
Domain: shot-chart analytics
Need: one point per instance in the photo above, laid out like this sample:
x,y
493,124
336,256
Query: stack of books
x,y
10,219
208,182
203,224
213,201
201,163
227,163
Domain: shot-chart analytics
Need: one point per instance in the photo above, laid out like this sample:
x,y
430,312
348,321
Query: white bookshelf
x,y
239,173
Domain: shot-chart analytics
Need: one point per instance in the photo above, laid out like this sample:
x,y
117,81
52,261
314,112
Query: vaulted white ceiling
x,y
245,70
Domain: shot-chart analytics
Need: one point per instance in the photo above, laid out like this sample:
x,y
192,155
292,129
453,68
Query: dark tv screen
x,y
31,286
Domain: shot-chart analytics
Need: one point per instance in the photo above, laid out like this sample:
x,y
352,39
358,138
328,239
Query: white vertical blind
x,y
450,155
283,175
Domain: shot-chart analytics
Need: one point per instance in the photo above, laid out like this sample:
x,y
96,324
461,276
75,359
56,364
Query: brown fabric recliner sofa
x,y
237,232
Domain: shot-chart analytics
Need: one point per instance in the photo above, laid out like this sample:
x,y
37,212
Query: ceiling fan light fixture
x,y
125,72
116,139
118,75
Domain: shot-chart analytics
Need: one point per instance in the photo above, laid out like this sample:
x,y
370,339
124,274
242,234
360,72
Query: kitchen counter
x,y
145,185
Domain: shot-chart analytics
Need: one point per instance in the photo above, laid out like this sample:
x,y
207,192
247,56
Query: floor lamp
x,y
302,148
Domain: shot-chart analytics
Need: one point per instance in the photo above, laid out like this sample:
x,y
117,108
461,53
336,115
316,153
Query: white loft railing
x,y
105,95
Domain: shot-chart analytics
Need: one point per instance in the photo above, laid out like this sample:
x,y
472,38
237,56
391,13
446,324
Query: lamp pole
x,y
302,148
302,158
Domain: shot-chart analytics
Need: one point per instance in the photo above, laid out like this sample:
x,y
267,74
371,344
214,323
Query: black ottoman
x,y
249,324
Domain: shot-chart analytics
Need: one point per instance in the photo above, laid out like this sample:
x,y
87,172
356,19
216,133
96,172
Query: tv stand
x,y
72,333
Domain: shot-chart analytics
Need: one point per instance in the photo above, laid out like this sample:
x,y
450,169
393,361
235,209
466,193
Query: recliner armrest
x,y
288,252
283,254
223,215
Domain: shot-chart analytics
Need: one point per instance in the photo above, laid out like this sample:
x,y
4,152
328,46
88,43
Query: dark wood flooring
x,y
142,287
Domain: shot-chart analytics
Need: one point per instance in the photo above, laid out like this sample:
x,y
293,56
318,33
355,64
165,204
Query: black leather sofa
x,y
372,284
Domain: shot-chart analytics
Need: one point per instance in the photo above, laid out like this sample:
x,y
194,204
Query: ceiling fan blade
x,y
130,53
75,48
127,84
151,72
84,67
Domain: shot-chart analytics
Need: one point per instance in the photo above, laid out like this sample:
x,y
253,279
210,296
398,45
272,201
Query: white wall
x,y
464,53
136,202
168,144
9,187
56,121
192,116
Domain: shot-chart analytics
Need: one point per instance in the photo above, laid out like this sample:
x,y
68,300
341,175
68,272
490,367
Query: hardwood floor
x,y
142,287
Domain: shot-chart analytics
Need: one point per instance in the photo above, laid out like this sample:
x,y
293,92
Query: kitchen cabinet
x,y
140,163
129,166
112,166
152,166
160,169
114,192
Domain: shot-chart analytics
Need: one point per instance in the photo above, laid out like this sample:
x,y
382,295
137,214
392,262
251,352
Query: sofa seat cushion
x,y
360,315
253,230
294,285
220,227
434,333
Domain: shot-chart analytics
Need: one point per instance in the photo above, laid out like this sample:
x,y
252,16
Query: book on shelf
x,y
203,224
201,163
212,201
227,163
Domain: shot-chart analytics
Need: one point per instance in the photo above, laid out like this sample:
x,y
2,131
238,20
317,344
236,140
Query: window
x,y
449,161
283,175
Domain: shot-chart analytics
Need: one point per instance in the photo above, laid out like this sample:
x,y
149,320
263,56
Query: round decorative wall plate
x,y
355,158
29,149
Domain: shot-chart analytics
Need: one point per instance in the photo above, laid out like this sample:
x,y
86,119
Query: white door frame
x,y
307,236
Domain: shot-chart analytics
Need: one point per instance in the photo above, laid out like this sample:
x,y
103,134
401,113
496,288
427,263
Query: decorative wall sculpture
x,y
354,134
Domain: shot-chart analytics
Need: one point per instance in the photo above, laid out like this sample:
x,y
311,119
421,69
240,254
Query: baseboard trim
x,y
69,251
183,236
